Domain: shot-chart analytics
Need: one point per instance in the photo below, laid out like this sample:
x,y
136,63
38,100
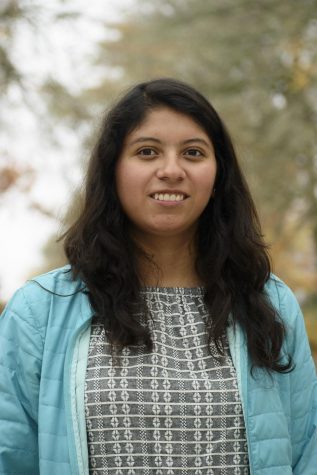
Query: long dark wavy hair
x,y
232,259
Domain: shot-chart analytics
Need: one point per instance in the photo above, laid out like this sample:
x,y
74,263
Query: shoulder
x,y
33,301
59,281
289,311
283,299
38,289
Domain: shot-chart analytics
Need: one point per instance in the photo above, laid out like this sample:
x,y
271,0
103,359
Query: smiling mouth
x,y
169,197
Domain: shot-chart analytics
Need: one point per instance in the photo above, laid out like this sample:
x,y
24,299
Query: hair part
x,y
232,258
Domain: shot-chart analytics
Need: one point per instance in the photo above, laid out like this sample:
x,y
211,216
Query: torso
x,y
176,410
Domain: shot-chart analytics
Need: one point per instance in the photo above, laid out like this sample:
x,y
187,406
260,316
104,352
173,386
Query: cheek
x,y
206,181
128,184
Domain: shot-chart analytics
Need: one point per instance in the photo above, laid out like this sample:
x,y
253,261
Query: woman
x,y
166,346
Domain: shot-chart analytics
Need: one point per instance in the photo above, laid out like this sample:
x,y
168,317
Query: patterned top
x,y
176,410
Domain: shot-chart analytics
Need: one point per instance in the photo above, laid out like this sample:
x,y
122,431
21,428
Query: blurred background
x,y
63,62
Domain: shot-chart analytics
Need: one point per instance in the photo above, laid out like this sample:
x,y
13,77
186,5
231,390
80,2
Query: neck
x,y
171,262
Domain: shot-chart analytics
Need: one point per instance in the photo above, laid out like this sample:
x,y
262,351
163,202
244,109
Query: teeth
x,y
167,197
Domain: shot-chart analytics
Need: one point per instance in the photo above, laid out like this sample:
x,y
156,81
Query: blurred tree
x,y
53,249
11,176
256,61
10,12
43,96
36,98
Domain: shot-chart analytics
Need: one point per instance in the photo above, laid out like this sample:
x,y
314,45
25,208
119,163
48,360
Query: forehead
x,y
173,125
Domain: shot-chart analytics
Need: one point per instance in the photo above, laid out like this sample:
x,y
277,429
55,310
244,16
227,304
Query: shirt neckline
x,y
173,290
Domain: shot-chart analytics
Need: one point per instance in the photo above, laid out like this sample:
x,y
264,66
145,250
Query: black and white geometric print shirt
x,y
174,411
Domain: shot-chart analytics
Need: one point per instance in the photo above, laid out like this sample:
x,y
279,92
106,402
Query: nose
x,y
170,168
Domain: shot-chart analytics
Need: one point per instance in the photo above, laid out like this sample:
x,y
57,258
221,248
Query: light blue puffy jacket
x,y
43,355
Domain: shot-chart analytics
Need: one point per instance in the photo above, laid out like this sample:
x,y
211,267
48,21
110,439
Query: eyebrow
x,y
185,142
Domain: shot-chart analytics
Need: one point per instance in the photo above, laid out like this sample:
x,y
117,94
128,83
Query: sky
x,y
62,50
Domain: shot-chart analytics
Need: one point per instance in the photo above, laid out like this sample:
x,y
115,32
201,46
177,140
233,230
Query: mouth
x,y
169,196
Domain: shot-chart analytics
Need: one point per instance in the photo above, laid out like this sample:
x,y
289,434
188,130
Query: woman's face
x,y
165,174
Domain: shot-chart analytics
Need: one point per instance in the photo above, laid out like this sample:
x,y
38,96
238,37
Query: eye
x,y
147,152
194,153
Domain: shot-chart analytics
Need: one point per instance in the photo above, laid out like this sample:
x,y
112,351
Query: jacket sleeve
x,y
21,346
303,389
